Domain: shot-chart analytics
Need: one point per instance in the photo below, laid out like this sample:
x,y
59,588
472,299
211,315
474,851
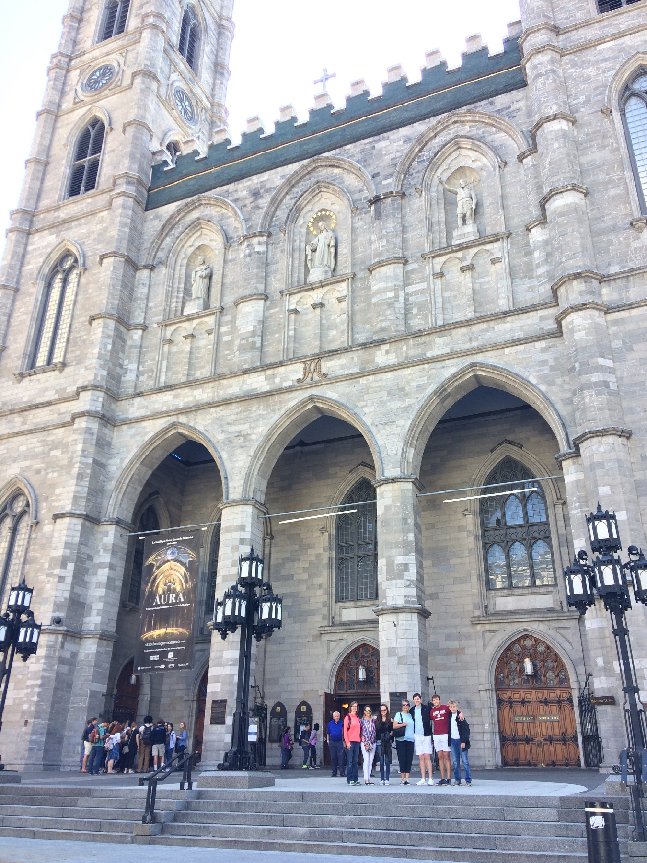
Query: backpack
x,y
147,735
94,735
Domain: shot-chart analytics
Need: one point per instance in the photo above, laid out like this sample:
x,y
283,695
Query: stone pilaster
x,y
402,613
387,269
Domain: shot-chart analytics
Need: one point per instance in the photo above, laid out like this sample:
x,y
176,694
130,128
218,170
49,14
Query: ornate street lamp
x,y
257,615
19,633
608,578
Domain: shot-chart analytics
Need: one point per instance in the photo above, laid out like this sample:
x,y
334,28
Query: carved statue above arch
x,y
321,246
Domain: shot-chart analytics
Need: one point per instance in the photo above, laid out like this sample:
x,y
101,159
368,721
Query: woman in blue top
x,y
404,745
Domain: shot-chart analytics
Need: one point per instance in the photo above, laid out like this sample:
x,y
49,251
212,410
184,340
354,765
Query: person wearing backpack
x,y
144,744
158,743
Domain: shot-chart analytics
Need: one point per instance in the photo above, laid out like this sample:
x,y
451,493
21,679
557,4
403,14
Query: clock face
x,y
99,78
184,104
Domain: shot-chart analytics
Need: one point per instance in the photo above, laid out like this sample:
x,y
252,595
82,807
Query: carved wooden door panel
x,y
537,725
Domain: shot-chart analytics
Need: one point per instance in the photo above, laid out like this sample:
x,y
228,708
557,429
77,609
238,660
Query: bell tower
x,y
132,82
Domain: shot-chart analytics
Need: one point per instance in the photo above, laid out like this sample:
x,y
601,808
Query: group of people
x,y
117,747
419,729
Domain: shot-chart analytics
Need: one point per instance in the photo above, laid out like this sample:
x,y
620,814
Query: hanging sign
x,y
169,583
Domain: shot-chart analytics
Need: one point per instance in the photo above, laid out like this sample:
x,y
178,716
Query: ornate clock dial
x,y
184,104
99,78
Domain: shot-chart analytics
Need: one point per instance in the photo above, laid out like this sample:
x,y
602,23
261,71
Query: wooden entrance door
x,y
535,707
126,695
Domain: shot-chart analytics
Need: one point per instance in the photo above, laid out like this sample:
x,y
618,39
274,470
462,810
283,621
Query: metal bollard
x,y
601,833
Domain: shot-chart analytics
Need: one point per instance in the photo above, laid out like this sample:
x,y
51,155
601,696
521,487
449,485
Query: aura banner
x,y
169,583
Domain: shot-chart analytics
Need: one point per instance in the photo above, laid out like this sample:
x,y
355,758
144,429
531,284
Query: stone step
x,y
393,837
428,851
427,823
109,826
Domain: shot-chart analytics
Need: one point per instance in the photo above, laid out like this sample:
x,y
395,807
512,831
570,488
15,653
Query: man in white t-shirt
x,y
422,738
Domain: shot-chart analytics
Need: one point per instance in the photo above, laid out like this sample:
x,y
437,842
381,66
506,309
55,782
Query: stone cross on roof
x,y
324,79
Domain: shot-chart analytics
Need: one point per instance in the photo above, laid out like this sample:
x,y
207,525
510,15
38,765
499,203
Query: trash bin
x,y
601,833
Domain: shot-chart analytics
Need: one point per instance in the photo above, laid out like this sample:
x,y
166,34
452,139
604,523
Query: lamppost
x,y
608,578
257,616
19,633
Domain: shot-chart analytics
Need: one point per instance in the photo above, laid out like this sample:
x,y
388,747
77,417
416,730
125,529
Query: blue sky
x,y
279,49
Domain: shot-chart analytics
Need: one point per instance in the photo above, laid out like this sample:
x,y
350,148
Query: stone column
x,y
387,269
250,307
401,610
242,525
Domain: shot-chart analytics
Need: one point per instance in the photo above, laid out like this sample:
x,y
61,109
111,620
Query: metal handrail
x,y
183,760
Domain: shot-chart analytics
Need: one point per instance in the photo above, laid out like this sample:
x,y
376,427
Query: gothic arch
x,y
345,652
96,112
140,466
175,225
553,638
458,385
620,81
324,163
287,426
20,484
196,234
462,120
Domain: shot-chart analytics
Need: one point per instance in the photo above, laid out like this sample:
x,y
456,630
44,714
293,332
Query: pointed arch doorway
x,y
536,715
357,679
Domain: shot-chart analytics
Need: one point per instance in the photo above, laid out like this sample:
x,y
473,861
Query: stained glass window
x,y
356,545
634,104
515,529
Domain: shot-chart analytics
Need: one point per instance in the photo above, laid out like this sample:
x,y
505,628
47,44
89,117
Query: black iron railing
x,y
181,761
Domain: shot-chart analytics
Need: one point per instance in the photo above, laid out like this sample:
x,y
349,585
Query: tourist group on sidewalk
x,y
117,747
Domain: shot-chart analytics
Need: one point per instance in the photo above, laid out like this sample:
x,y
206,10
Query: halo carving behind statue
x,y
327,216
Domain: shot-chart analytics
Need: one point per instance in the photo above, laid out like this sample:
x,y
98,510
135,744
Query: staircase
x,y
436,825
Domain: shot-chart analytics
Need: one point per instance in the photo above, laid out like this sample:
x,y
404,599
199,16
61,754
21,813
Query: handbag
x,y
399,732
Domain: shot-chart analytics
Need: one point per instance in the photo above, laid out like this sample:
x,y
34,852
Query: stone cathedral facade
x,y
427,296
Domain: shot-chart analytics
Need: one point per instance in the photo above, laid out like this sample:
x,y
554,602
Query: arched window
x,y
56,314
14,532
356,547
147,521
87,155
634,117
115,14
174,150
516,532
610,5
212,574
190,37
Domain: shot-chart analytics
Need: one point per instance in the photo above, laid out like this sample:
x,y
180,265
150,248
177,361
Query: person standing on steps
x,y
352,742
304,743
440,719
286,747
368,740
314,735
459,740
144,745
404,741
384,736
158,743
421,715
335,740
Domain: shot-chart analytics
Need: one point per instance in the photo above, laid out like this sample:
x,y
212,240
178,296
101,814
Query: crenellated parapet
x,y
439,91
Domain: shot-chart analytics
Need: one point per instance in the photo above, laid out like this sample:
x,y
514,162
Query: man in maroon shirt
x,y
440,715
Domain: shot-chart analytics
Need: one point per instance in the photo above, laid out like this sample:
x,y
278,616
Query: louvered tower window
x,y
610,5
356,547
87,156
114,18
190,37
634,117
56,314
14,532
517,547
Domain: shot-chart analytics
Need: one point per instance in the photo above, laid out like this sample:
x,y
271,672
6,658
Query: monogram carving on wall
x,y
312,371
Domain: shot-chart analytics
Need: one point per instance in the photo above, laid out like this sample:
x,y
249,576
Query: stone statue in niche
x,y
200,284
321,250
466,202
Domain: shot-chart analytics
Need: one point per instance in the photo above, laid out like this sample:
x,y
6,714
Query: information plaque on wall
x,y
218,711
395,702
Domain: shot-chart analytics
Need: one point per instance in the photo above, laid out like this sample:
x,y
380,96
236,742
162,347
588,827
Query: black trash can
x,y
601,833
